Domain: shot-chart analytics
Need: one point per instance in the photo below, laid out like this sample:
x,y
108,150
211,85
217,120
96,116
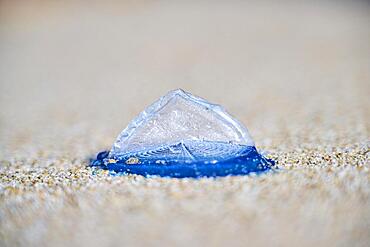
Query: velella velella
x,y
181,135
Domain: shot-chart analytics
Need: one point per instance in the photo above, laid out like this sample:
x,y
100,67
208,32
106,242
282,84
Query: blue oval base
x,y
248,161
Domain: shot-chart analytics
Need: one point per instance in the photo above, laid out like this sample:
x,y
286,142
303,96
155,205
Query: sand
x,y
73,75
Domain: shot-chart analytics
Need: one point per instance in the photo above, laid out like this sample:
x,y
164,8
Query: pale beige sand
x,y
73,75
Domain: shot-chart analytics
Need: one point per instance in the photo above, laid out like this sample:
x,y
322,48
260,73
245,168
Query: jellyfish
x,y
182,135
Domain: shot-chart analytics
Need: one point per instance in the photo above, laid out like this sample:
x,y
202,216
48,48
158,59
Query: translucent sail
x,y
180,120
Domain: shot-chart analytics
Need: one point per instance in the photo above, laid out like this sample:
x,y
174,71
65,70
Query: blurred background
x,y
98,64
74,73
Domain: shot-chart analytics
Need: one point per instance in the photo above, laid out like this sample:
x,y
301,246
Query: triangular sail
x,y
180,117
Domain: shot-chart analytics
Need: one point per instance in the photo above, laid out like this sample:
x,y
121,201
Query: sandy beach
x,y
73,75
